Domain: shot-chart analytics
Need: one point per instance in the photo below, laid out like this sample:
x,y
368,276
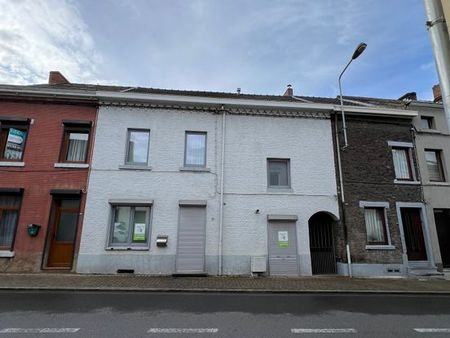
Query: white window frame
x,y
385,206
408,147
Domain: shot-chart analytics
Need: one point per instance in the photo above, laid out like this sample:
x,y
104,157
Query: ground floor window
x,y
130,226
9,216
375,225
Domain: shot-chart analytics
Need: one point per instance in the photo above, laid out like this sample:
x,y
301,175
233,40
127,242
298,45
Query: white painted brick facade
x,y
250,140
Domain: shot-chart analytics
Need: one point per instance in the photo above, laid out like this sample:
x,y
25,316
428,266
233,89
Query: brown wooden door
x,y
63,233
413,231
442,219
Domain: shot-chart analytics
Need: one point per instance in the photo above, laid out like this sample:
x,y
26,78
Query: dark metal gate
x,y
321,243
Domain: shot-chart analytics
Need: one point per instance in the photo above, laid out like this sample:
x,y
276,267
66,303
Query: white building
x,y
164,162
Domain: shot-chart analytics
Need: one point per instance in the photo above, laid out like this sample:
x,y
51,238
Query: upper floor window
x,y
402,163
9,216
138,141
195,149
426,122
434,165
278,173
13,136
75,143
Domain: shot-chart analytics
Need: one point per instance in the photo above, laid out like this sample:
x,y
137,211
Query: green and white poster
x,y
139,232
14,144
283,239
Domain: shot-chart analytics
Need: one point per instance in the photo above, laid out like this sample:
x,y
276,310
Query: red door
x,y
413,231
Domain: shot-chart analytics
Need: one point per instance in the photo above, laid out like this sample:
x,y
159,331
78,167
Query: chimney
x,y
289,91
56,78
437,93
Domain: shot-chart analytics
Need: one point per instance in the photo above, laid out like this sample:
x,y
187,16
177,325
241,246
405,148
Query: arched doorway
x,y
321,243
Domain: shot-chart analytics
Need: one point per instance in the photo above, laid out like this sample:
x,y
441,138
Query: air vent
x,y
131,271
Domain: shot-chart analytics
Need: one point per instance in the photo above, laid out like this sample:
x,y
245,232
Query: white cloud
x,y
39,36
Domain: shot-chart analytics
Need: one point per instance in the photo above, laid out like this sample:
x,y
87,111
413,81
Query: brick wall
x,y
39,175
368,173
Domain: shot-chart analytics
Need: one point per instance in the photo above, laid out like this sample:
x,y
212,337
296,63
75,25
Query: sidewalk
x,y
65,281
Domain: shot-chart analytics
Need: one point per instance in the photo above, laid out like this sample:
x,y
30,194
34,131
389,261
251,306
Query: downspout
x,y
341,188
440,41
222,170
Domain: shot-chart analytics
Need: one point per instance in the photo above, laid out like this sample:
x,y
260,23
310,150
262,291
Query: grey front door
x,y
191,240
282,249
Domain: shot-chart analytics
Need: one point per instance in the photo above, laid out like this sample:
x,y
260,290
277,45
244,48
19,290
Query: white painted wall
x,y
249,141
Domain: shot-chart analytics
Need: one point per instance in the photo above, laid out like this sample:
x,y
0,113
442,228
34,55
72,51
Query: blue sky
x,y
215,45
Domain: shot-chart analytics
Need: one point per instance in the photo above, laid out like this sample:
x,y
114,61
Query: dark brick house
x,y
45,150
384,219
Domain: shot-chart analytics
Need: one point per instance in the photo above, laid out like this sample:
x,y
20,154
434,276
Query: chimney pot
x,y
56,78
437,93
289,91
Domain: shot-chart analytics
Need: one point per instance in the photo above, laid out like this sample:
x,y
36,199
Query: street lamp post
x,y
358,51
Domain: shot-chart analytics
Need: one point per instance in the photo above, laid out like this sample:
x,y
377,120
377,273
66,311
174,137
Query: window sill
x,y
7,254
407,182
380,247
12,164
443,184
135,167
280,190
196,169
72,165
126,248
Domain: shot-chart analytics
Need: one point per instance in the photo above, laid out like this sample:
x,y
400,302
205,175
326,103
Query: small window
x,y
9,216
402,163
278,173
426,122
130,226
137,146
376,226
75,144
434,165
12,141
195,149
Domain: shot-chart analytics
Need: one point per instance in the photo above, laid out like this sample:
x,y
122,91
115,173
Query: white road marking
x,y
40,330
432,330
323,330
183,330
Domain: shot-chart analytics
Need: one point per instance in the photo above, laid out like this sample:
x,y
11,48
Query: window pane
x,y
15,144
121,224
401,164
434,166
67,226
195,149
74,204
278,173
374,225
8,222
426,122
140,225
138,146
77,147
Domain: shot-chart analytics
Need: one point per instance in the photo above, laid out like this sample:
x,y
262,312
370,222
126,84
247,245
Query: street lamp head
x,y
358,51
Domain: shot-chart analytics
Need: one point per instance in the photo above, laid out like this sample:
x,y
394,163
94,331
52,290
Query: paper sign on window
x,y
14,144
283,239
139,232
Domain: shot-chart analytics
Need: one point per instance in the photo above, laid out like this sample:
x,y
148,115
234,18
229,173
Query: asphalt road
x,y
133,314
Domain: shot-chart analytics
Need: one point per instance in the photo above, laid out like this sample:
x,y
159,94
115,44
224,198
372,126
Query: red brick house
x,y
46,140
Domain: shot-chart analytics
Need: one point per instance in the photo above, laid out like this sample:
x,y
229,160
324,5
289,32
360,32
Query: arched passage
x,y
321,243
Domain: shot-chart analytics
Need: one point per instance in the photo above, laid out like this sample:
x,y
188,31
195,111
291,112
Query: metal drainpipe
x,y
440,41
222,170
341,188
